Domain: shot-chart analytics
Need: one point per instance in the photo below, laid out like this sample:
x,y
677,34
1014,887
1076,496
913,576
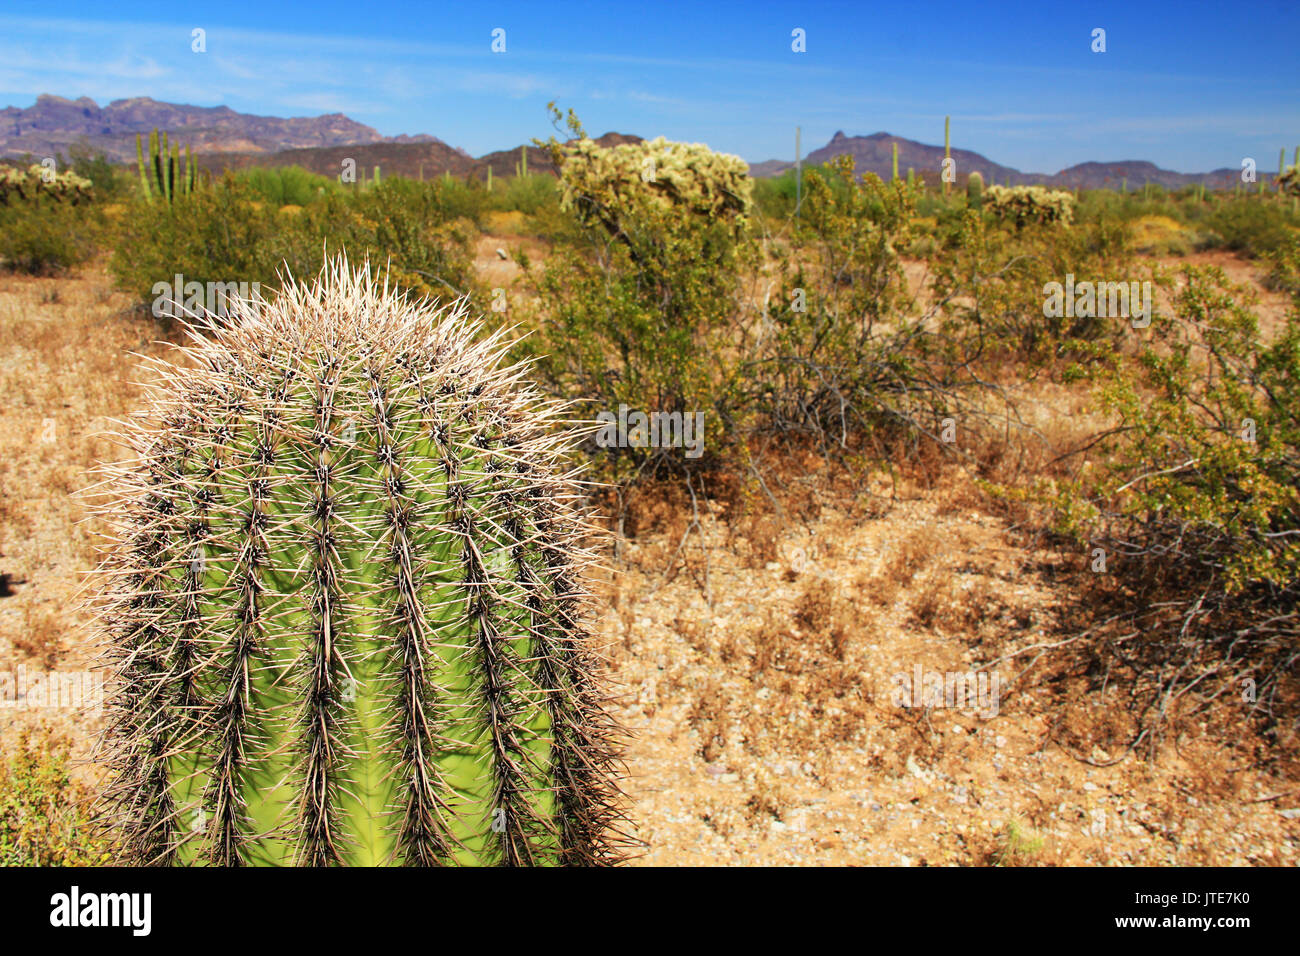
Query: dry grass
x,y
65,371
755,654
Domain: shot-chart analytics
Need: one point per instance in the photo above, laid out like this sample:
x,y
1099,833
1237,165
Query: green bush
x,y
527,194
286,185
832,352
1198,510
1253,225
45,238
45,817
227,234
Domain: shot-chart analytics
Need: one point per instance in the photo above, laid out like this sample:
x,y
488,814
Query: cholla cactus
x,y
1026,204
617,184
37,183
345,601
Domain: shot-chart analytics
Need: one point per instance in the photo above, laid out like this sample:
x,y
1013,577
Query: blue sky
x,y
1188,85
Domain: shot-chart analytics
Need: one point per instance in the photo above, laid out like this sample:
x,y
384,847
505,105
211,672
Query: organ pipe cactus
x,y
345,600
160,171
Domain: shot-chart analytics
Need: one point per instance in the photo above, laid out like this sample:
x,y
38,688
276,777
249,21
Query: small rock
x,y
958,729
501,253
1000,741
1290,814
729,778
1090,786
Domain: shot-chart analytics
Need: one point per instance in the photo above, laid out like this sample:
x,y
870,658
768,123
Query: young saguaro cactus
x,y
345,600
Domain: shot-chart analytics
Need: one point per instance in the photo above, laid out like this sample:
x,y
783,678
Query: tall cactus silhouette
x,y
160,172
895,175
345,600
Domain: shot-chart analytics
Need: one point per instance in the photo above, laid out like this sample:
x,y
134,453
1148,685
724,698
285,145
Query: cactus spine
x,y
345,600
161,173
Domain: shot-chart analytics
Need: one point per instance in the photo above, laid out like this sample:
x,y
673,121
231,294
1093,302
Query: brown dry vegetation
x,y
754,637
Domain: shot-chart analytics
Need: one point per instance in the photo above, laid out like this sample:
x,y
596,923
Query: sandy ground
x,y
756,656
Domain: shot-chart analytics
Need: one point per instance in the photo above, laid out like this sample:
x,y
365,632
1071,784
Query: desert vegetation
x,y
907,458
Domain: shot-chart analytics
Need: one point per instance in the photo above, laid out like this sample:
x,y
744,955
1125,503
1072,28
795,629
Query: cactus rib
x,y
345,603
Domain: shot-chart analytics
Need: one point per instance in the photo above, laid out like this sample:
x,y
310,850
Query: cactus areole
x,y
345,600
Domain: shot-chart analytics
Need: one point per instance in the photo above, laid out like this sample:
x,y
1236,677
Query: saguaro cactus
x,y
345,600
975,189
895,175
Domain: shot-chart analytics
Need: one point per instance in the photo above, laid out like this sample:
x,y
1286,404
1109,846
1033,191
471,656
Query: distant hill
x,y
54,124
223,138
414,160
874,154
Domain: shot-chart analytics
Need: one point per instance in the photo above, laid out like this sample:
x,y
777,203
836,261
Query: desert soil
x,y
754,654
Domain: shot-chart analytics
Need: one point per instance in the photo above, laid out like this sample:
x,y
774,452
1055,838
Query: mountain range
x,y
223,138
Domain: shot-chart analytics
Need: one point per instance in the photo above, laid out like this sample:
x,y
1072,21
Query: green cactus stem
x,y
345,600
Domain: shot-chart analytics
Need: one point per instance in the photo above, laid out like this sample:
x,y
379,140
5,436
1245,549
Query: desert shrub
x,y
109,182
1252,225
226,234
990,285
831,354
44,238
634,306
1198,512
527,194
1285,271
423,232
286,185
775,196
45,817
